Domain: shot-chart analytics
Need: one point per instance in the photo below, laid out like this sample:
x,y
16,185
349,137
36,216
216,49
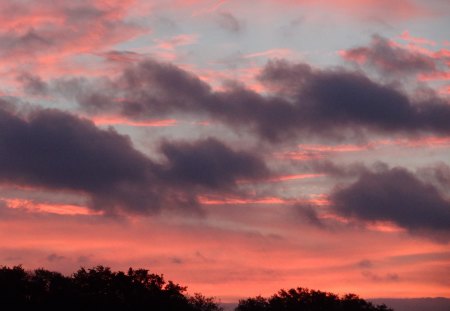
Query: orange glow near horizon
x,y
246,262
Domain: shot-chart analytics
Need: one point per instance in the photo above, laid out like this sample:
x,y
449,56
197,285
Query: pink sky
x,y
237,149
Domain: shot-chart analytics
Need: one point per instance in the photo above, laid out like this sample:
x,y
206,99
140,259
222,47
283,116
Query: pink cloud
x,y
209,9
218,79
117,120
416,58
445,90
416,40
294,177
277,201
402,9
439,75
428,141
240,201
51,208
314,151
272,53
385,227
176,41
47,37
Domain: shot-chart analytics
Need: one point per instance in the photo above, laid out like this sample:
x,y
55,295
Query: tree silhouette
x,y
96,288
14,285
202,303
253,304
303,299
101,288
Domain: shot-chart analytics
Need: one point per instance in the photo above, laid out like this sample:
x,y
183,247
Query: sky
x,y
237,147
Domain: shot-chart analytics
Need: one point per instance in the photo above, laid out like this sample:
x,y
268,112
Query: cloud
x,y
365,264
387,56
229,22
122,56
382,9
33,85
305,101
398,196
309,213
55,257
36,29
157,88
48,38
337,100
437,174
394,60
176,41
388,277
55,150
211,164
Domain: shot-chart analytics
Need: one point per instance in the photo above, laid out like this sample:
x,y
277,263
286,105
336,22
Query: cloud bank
x,y
305,101
395,195
56,150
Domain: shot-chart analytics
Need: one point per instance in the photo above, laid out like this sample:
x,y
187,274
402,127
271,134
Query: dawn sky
x,y
237,147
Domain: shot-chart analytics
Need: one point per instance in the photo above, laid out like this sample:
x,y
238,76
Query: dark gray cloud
x,y
211,164
307,101
52,149
153,88
20,43
229,22
52,145
388,277
33,85
365,264
55,150
55,257
309,213
339,99
395,195
384,56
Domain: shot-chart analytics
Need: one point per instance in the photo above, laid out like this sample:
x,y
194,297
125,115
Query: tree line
x,y
303,299
137,289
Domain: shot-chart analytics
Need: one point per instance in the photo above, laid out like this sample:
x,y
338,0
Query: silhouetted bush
x,y
302,299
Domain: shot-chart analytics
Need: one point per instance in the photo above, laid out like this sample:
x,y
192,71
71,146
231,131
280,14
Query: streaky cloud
x,y
304,102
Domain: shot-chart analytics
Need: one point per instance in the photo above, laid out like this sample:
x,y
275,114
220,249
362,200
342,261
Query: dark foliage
x,y
98,288
302,299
